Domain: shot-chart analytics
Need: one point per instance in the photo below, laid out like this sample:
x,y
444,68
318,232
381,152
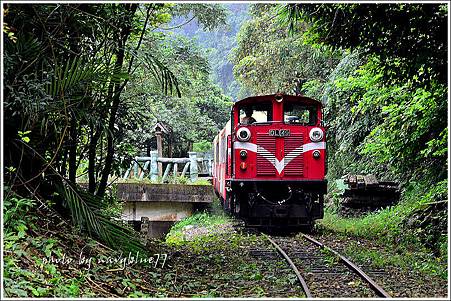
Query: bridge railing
x,y
193,165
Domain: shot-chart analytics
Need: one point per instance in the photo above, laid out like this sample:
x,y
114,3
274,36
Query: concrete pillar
x,y
193,171
153,166
144,231
209,159
135,168
158,135
185,169
175,170
129,170
143,172
166,172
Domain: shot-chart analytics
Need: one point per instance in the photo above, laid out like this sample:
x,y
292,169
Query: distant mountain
x,y
217,44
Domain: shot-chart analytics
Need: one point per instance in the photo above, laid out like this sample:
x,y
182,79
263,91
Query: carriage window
x,y
299,114
256,113
217,152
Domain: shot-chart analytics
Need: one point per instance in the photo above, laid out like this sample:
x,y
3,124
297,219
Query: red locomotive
x,y
270,161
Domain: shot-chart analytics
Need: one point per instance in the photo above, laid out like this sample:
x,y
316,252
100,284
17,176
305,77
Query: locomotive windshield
x,y
256,113
294,113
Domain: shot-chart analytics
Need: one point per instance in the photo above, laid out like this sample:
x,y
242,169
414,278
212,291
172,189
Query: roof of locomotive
x,y
256,99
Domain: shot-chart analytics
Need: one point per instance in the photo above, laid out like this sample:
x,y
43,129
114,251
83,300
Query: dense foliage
x,y
405,37
79,81
380,70
398,94
196,116
383,85
84,85
269,60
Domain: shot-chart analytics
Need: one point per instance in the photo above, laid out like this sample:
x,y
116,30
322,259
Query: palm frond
x,y
22,54
76,71
163,75
290,15
86,212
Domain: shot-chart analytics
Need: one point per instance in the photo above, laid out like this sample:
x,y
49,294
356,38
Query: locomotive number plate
x,y
279,133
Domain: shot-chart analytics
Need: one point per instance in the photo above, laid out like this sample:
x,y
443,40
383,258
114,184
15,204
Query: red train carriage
x,y
270,161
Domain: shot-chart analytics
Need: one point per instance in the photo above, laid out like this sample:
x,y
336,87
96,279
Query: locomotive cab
x,y
274,174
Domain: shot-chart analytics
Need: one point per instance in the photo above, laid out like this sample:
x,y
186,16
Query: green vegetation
x,y
408,245
385,106
45,257
84,85
202,219
412,259
267,59
386,223
329,257
206,222
215,252
218,44
18,280
202,146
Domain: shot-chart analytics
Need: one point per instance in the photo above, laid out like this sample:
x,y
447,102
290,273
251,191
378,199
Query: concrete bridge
x,y
154,207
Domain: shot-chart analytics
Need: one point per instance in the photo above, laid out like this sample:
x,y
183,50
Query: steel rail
x,y
307,292
376,288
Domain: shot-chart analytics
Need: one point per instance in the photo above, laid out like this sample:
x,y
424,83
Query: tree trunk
x,y
94,138
73,149
123,36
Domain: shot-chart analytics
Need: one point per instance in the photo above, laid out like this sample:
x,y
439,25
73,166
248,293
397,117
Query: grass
x,y
329,257
417,259
382,224
202,219
208,221
219,254
387,227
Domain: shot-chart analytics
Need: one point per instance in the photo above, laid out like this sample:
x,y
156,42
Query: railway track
x,y
322,271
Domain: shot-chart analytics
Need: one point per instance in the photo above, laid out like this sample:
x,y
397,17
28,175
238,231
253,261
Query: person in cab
x,y
248,119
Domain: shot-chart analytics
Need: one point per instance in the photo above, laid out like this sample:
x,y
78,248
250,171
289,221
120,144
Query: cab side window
x,y
256,113
299,114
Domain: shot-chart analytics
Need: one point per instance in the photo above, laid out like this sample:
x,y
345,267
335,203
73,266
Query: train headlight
x,y
316,134
243,154
243,134
316,154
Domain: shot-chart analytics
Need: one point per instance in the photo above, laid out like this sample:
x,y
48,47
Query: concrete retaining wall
x,y
135,192
162,202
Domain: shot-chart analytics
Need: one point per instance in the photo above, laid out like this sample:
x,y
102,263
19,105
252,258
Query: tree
x,y
196,116
268,60
218,42
406,37
66,69
395,116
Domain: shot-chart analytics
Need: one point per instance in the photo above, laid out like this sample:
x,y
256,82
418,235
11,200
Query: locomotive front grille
x,y
266,149
294,154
